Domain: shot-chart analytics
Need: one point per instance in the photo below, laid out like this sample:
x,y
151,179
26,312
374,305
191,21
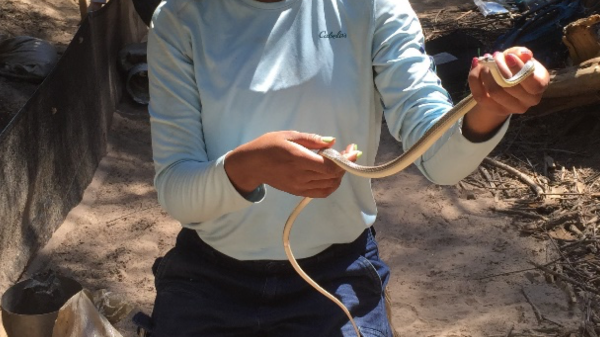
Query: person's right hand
x,y
284,160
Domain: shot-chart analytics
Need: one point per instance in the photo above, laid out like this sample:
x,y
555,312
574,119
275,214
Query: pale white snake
x,y
398,164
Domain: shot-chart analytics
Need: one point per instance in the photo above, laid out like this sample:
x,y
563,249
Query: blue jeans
x,y
202,292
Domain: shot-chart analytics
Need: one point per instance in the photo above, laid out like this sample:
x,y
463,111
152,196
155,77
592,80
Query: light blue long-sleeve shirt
x,y
224,72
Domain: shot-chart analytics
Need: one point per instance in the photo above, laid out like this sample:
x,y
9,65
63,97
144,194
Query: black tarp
x,y
50,150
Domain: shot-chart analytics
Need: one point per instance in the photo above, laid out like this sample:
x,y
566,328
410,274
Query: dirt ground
x,y
459,268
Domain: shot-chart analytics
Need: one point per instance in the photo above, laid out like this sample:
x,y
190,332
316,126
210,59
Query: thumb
x,y
311,141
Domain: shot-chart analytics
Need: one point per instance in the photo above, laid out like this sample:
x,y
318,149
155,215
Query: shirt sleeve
x,y
192,187
413,98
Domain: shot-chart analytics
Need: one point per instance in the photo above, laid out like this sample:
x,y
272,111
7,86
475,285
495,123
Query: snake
x,y
398,164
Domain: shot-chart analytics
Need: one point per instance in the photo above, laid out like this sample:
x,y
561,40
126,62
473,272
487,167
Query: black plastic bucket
x,y
30,310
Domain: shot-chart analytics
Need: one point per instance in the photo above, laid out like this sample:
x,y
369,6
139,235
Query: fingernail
x,y
511,60
525,51
327,139
496,53
355,147
475,62
359,154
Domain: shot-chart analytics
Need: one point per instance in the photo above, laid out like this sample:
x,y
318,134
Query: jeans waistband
x,y
189,241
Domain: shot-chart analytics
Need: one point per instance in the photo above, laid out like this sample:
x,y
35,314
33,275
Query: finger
x,y
505,70
319,192
323,167
351,152
310,140
350,148
529,91
475,83
500,95
514,63
353,156
320,188
538,82
522,53
305,159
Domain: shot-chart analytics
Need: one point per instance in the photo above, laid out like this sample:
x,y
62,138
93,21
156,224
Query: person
x,y
243,94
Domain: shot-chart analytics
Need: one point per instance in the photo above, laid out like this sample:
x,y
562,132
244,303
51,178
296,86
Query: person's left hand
x,y
495,103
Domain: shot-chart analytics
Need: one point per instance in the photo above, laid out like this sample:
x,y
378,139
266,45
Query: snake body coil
x,y
398,164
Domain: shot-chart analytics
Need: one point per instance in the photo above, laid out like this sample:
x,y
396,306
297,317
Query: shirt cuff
x,y
256,196
458,157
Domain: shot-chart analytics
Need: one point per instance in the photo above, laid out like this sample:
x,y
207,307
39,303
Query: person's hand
x,y
285,160
495,103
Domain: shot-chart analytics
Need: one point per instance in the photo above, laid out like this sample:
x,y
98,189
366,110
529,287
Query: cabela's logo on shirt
x,y
331,35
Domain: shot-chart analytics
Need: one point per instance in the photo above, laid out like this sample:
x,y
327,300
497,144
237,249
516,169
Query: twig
x,y
516,271
463,15
565,193
130,214
437,15
538,314
560,252
564,151
521,213
504,274
561,219
536,311
488,176
566,278
525,178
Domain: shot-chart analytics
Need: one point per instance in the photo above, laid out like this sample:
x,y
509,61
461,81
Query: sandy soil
x,y
446,248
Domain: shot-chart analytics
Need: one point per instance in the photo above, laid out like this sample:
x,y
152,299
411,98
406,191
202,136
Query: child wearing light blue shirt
x,y
242,94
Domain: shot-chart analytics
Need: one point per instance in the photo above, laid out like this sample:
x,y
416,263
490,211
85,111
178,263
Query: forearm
x,y
193,192
480,126
453,159
241,171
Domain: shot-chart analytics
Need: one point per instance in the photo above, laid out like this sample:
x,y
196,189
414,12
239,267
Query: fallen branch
x,y
550,105
561,219
581,79
522,176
